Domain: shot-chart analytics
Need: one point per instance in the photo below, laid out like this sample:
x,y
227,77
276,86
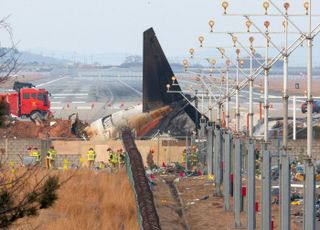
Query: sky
x,y
92,27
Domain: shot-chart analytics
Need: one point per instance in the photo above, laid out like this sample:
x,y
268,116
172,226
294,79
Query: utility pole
x,y
285,181
309,187
251,97
237,97
227,95
266,182
266,84
294,117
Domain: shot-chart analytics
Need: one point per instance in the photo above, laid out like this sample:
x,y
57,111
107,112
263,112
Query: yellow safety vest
x,y
194,157
91,155
52,154
114,158
183,158
36,155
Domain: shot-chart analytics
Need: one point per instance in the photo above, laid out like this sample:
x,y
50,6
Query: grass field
x,y
89,200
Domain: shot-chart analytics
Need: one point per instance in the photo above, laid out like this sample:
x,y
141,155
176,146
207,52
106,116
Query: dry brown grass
x,y
90,200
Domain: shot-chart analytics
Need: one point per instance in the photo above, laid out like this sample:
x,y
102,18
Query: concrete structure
x,y
168,150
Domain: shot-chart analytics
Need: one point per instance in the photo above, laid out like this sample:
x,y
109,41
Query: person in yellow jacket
x,y
184,157
194,156
36,155
91,157
113,160
121,158
51,157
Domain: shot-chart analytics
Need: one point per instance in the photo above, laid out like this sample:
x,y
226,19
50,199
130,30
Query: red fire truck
x,y
27,101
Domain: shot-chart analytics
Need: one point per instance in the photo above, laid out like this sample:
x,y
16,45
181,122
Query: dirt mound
x,y
28,129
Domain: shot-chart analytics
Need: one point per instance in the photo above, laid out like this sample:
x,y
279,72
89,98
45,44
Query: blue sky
x,y
116,26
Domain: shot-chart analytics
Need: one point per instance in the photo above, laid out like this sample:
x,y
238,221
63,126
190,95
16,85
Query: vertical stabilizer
x,y
157,73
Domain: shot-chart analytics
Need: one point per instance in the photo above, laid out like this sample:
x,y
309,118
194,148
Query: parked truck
x,y
26,101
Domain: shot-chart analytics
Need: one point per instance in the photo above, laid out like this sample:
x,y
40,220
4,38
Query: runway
x,y
99,95
92,97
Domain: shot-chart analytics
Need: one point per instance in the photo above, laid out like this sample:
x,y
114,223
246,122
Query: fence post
x,y
210,148
266,189
285,191
251,199
237,182
226,171
309,217
217,160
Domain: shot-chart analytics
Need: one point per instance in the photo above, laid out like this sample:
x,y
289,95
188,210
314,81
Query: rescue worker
x,y
91,157
150,161
184,158
113,160
122,158
29,151
36,155
51,157
118,163
194,156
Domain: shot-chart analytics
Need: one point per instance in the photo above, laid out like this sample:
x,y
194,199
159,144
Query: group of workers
x,y
116,160
36,155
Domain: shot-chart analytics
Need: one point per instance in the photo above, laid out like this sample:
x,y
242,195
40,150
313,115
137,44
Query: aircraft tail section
x,y
157,73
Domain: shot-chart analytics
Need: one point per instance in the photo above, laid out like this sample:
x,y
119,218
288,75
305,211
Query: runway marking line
x,y
130,87
56,108
49,82
59,97
69,94
78,102
84,107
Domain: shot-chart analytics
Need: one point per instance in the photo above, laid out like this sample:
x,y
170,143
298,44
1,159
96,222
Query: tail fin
x,y
157,73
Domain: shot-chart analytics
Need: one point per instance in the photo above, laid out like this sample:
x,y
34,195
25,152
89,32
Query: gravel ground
x,y
201,209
